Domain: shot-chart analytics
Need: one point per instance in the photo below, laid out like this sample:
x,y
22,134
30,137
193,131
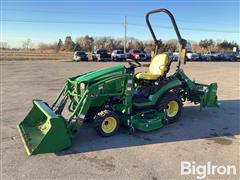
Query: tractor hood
x,y
99,74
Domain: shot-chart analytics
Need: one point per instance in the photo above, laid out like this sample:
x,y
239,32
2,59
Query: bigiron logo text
x,y
201,171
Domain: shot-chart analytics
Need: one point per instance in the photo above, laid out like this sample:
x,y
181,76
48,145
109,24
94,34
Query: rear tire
x,y
170,103
106,123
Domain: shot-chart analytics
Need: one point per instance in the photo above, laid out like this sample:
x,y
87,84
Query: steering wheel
x,y
133,63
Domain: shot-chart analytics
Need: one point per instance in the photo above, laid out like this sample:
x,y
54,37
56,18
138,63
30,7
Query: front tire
x,y
170,103
106,123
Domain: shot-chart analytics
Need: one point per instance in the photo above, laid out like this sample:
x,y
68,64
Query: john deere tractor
x,y
116,96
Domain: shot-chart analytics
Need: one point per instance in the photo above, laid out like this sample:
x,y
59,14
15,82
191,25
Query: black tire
x,y
106,117
163,105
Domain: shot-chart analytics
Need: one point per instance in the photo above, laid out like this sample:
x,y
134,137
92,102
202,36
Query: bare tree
x,y
27,44
69,44
43,46
46,46
196,48
100,43
171,45
119,43
225,45
59,46
134,43
149,46
86,43
4,45
77,47
110,44
206,43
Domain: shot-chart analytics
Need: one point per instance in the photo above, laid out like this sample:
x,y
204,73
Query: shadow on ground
x,y
209,123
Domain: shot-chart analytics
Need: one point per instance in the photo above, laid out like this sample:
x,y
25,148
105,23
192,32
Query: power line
x,y
186,28
120,14
68,12
112,23
60,22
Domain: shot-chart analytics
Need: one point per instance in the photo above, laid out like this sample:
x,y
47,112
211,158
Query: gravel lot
x,y
211,135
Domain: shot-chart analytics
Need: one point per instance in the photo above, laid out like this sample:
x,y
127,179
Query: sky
x,y
48,20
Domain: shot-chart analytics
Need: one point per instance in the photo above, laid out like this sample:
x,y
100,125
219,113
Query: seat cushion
x,y
147,76
159,64
157,68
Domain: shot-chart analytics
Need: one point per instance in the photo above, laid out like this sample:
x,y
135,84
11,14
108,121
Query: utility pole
x,y
125,34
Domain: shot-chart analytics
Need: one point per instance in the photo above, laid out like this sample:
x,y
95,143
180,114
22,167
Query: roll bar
x,y
181,41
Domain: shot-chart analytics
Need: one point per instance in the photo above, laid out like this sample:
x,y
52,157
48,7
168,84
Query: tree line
x,y
89,44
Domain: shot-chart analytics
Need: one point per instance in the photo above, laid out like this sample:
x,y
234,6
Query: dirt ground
x,y
19,55
211,135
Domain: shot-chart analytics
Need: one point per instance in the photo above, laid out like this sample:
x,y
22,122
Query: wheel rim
x,y
109,125
172,109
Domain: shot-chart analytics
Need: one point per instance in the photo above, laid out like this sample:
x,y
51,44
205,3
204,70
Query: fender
x,y
152,99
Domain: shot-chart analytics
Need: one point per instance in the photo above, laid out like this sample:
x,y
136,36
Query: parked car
x,y
136,54
192,56
147,56
175,56
213,56
170,55
80,56
203,57
238,55
101,55
118,55
229,56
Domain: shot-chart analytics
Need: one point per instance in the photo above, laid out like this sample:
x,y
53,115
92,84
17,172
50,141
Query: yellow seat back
x,y
159,64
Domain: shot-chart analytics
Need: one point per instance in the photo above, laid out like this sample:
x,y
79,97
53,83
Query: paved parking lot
x,y
211,135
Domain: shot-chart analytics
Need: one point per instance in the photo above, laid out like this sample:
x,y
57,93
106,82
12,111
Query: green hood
x,y
99,74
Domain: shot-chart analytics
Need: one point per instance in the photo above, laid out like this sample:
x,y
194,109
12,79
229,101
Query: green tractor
x,y
115,96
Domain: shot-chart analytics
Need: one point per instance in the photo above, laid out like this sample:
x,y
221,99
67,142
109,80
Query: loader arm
x,y
96,95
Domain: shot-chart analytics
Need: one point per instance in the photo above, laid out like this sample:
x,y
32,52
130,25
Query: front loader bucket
x,y
43,131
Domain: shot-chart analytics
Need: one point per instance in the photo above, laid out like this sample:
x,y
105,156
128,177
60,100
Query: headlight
x,y
82,88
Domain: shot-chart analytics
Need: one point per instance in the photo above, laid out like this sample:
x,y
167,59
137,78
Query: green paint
x,y
143,122
154,97
42,131
204,94
99,74
45,129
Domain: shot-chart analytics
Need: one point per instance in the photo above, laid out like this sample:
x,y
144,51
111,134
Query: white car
x,y
80,56
211,56
192,56
175,56
238,55
118,55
